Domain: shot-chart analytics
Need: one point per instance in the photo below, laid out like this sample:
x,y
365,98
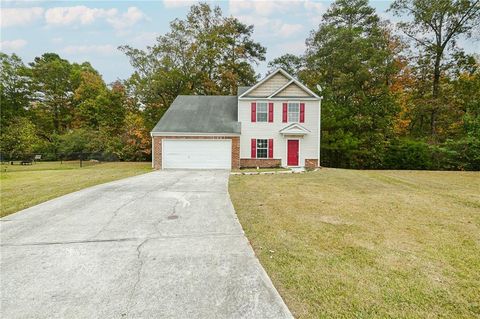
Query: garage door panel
x,y
197,154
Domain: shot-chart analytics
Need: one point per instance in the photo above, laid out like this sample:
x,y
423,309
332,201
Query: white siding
x,y
308,144
292,90
270,86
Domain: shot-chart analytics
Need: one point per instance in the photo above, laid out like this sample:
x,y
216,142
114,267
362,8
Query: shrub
x,y
408,154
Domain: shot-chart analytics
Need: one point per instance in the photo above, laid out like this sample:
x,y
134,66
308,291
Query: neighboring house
x,y
274,123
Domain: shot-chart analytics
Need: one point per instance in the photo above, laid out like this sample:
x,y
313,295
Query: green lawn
x,y
367,244
25,186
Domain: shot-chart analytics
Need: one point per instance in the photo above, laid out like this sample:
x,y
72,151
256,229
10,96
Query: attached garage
x,y
197,154
198,132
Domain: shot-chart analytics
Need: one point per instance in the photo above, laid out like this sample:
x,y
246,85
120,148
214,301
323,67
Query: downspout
x,y
153,151
319,126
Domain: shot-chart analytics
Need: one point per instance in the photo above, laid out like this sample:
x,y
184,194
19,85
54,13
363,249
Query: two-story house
x,y
274,123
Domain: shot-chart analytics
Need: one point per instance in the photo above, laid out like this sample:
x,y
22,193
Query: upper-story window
x,y
293,111
262,111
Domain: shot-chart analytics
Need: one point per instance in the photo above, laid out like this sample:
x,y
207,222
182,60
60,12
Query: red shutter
x,y
270,148
254,148
302,112
254,112
285,106
270,112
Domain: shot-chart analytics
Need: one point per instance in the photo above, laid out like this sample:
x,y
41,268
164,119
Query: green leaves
x,y
352,55
206,53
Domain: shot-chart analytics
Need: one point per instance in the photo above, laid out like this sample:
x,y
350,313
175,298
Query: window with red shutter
x,y
253,148
270,148
302,112
254,112
270,112
284,115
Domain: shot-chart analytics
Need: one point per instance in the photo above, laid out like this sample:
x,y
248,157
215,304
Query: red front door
x,y
292,156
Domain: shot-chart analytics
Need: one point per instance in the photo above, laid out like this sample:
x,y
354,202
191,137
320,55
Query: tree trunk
x,y
433,114
436,75
435,92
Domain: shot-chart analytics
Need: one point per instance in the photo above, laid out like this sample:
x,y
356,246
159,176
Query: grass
x,y
25,186
367,244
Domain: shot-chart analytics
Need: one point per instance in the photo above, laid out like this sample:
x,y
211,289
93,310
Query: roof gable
x,y
278,82
291,89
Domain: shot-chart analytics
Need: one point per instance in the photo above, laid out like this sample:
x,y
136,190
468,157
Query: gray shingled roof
x,y
242,89
200,114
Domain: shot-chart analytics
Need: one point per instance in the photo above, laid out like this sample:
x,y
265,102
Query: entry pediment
x,y
294,129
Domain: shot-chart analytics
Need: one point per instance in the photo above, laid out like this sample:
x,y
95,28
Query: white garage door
x,y
215,154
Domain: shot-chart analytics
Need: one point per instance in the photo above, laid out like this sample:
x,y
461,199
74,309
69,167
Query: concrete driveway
x,y
165,244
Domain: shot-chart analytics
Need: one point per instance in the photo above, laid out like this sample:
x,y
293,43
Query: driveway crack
x,y
139,272
116,211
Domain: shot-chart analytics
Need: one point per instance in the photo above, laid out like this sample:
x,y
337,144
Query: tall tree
x,y
352,55
435,26
289,62
206,53
52,85
14,89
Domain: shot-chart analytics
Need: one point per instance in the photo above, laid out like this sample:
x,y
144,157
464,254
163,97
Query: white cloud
x,y
62,16
266,26
127,19
287,29
178,3
12,45
103,49
314,7
76,14
19,16
262,8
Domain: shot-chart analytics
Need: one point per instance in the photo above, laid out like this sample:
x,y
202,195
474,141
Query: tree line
x,y
395,96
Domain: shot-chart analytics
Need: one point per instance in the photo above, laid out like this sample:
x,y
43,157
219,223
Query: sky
x,y
92,30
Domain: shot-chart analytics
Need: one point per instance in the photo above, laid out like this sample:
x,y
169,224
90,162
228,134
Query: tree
x,y
240,53
18,139
136,144
14,90
289,62
51,82
87,108
435,27
205,53
353,56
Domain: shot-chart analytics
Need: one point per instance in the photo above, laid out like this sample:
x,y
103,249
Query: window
x,y
293,111
262,148
262,112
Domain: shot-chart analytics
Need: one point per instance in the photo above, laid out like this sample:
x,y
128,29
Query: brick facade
x,y
311,163
237,162
260,162
157,147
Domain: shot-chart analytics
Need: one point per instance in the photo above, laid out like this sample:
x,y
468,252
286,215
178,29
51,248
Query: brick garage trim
x,y
311,163
157,147
260,162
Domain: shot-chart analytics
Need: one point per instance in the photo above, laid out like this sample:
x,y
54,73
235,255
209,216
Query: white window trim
x,y
288,112
266,111
257,148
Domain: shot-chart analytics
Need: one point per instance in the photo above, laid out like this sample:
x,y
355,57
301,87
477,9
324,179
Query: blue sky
x,y
92,30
